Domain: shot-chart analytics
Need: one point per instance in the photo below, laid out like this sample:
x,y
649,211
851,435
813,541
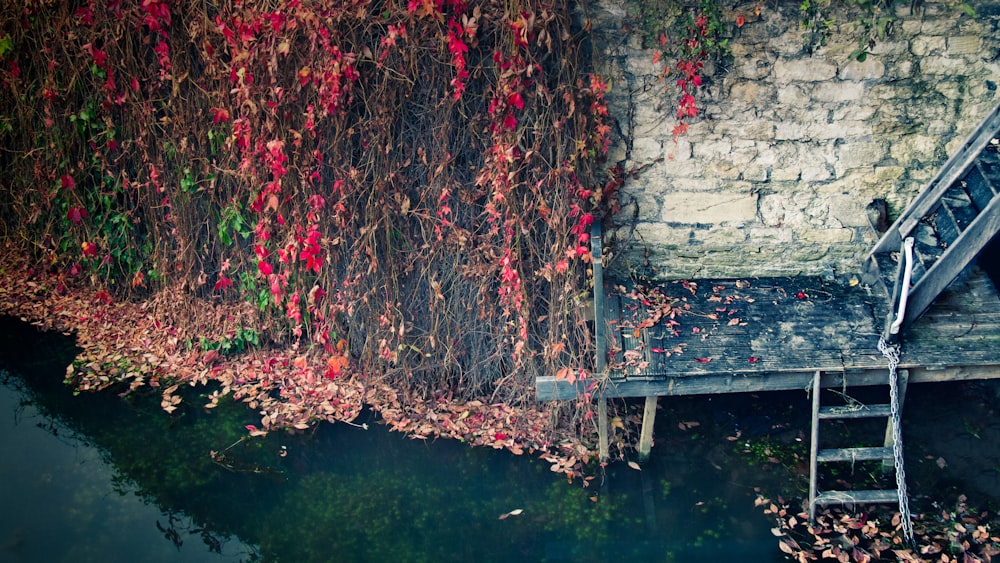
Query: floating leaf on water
x,y
634,465
515,512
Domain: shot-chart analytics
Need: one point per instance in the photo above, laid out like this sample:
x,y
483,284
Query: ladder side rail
x,y
954,259
952,169
814,446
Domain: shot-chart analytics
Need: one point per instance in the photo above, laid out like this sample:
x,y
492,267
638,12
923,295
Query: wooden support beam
x,y
548,388
601,361
602,427
646,435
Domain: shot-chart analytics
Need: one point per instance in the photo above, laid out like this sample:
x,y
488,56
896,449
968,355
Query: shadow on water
x,y
98,478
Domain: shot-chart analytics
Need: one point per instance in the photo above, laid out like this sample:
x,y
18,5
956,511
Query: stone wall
x,y
794,143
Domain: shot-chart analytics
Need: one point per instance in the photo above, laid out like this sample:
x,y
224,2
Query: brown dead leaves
x,y
156,344
957,536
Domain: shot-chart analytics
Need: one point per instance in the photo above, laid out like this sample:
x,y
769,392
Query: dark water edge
x,y
98,478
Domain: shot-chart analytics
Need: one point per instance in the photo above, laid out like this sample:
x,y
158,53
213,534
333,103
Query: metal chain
x,y
891,354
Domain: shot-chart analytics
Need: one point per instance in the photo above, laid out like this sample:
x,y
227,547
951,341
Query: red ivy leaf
x,y
740,20
219,115
801,295
753,359
516,100
223,283
510,122
76,214
67,182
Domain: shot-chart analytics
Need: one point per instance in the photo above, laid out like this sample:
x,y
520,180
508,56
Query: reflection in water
x,y
98,478
64,502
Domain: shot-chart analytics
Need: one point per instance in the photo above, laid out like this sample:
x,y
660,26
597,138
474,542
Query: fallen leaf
x,y
941,463
634,465
703,360
785,546
515,512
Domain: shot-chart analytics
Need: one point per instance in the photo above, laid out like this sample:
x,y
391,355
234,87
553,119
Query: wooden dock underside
x,y
771,334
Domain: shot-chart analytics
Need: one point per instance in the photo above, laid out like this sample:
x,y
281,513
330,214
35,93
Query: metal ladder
x,y
885,452
952,219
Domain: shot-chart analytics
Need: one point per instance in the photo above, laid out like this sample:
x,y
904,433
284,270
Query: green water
x,y
98,478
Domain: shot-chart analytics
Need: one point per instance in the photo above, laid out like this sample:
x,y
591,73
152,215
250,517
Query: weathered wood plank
x,y
874,496
853,411
548,388
853,454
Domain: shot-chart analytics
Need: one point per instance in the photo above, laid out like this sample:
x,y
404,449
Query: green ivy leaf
x,y
6,45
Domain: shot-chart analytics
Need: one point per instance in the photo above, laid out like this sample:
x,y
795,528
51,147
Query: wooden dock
x,y
770,334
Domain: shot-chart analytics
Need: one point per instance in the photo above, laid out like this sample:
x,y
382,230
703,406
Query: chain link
x,y
891,353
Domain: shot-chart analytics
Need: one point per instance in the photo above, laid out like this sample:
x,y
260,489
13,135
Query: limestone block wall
x,y
794,142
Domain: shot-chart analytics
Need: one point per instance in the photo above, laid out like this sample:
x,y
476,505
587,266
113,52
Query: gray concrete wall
x,y
794,143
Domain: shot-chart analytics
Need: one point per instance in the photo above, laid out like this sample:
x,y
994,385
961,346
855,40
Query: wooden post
x,y
602,427
601,361
902,378
646,435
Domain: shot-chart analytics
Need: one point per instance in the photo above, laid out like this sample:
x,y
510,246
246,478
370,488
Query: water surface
x,y
98,478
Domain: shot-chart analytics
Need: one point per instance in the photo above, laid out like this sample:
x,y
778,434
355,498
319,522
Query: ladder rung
x,y
884,496
855,411
962,208
983,180
853,454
